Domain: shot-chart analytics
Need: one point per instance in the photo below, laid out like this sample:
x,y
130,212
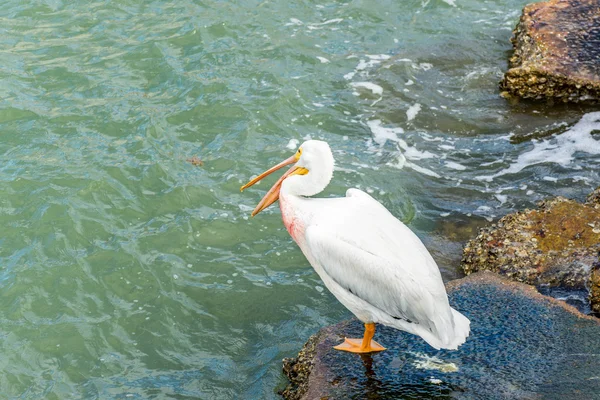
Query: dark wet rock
x,y
557,52
555,246
523,345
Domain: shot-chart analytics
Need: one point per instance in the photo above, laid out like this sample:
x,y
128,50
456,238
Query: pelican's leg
x,y
364,345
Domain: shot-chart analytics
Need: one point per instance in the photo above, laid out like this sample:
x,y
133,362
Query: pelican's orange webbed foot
x,y
364,345
355,346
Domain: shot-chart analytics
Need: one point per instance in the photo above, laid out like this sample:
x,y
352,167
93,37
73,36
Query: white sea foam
x,y
422,66
424,361
487,164
381,134
293,144
412,111
412,153
501,198
379,57
245,208
320,25
582,178
559,149
373,59
294,21
455,166
422,170
329,21
375,89
323,60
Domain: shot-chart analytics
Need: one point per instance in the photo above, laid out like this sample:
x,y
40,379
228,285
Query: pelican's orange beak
x,y
273,194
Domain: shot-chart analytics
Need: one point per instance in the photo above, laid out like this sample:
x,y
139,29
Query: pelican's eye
x,y
298,154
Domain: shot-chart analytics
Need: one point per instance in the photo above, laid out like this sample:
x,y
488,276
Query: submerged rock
x,y
556,246
523,345
557,52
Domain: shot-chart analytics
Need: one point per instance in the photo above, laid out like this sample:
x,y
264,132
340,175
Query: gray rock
x,y
522,346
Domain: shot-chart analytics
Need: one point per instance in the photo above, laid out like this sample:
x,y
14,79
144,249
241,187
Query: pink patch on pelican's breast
x,y
294,225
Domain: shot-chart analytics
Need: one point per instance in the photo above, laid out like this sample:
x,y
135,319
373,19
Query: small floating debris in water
x,y
426,362
195,161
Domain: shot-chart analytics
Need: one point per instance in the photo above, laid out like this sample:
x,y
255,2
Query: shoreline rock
x,y
556,52
522,345
556,245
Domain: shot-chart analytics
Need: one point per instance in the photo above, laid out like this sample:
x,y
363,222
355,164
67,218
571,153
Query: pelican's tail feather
x,y
461,330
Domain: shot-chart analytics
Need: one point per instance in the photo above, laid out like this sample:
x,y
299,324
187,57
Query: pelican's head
x,y
310,174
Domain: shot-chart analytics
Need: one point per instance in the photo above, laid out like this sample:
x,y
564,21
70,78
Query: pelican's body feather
x,y
374,265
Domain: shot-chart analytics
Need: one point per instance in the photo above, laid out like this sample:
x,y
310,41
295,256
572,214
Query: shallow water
x,y
126,271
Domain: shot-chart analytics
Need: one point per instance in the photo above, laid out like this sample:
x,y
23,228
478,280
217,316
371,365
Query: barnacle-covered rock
x,y
557,52
556,245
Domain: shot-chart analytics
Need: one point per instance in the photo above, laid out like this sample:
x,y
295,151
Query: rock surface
x,y
556,245
557,52
595,289
593,200
522,346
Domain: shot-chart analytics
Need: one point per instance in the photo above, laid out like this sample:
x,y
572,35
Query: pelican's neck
x,y
320,172
296,209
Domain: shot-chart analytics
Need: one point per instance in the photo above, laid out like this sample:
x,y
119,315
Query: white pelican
x,y
371,262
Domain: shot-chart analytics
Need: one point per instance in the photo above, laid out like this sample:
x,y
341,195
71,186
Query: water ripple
x,y
125,271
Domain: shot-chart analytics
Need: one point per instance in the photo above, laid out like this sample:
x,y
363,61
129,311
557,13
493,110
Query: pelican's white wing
x,y
370,257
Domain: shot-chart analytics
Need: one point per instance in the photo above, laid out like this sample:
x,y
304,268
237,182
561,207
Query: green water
x,y
128,272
